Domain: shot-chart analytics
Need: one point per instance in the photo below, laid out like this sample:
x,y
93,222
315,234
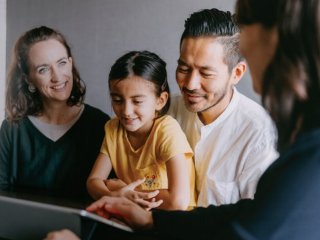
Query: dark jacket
x,y
286,204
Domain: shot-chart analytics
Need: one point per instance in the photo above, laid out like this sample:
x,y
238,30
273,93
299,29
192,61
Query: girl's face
x,y
135,103
50,70
258,46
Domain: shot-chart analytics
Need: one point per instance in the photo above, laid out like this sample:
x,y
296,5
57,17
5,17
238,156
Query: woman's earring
x,y
31,88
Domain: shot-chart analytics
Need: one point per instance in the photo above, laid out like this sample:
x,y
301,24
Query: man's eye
x,y
183,70
207,75
116,100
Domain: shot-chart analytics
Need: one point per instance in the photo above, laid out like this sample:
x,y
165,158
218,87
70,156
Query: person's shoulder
x,y
254,117
14,127
95,113
307,140
7,124
166,120
178,109
113,129
167,123
113,123
252,109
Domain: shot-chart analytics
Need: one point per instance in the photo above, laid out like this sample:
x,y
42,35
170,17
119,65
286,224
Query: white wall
x,y
3,20
100,31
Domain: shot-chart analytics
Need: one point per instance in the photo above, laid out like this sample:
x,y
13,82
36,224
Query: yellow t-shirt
x,y
165,141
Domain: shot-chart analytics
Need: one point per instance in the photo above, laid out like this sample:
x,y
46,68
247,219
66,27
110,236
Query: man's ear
x,y
238,72
162,100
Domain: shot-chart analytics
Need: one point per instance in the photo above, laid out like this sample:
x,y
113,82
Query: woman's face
x,y
50,70
258,45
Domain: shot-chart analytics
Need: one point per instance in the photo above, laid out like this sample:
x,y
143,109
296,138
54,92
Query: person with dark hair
x,y
283,55
145,147
50,138
232,137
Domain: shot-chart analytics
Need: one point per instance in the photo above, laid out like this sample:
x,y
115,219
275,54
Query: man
x,y
232,137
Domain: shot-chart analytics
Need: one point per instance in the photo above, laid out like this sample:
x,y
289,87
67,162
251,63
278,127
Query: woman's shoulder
x,y
94,113
10,128
8,124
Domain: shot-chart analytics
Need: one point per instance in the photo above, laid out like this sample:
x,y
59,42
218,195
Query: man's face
x,y
203,76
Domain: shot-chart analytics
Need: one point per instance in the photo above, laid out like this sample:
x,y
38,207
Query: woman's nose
x,y
55,75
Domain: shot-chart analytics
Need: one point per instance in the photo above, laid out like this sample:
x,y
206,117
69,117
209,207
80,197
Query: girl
x,y
142,142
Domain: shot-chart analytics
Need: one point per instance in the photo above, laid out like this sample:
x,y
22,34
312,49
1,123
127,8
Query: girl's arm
x,y
177,196
96,181
114,184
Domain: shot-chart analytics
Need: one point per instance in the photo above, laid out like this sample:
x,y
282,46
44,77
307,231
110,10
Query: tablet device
x,y
25,219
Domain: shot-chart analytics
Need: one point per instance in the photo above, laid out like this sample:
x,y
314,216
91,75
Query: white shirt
x,y
232,152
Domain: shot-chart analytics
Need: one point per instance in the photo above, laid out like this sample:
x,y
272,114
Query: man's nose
x,y
192,81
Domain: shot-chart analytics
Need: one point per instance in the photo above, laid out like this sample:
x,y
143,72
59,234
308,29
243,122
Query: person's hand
x,y
64,234
125,210
144,199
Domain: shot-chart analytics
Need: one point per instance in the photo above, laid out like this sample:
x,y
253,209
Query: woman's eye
x,y
43,70
62,63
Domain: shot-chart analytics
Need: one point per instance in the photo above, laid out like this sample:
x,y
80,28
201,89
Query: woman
x,y
50,138
280,40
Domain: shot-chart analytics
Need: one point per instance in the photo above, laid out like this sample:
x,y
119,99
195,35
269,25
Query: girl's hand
x,y
145,199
